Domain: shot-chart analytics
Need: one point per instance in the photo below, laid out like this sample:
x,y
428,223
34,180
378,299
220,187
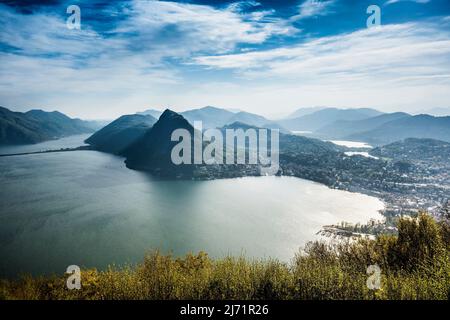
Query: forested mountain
x,y
343,128
121,133
37,125
421,126
321,118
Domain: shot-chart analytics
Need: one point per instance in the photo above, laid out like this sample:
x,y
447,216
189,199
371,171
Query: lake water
x,y
351,144
358,153
86,208
67,142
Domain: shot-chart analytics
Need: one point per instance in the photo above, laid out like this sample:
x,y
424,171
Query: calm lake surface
x,y
68,142
86,208
351,144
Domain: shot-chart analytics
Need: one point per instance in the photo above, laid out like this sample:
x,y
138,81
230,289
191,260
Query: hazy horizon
x,y
438,112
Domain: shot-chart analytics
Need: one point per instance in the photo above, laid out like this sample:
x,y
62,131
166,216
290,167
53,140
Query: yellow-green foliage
x,y
414,265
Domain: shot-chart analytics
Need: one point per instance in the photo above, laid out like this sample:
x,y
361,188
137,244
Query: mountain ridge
x,y
323,117
343,128
152,151
37,126
420,126
121,133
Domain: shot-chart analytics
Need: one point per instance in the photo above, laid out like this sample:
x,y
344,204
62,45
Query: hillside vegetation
x,y
121,133
414,265
36,126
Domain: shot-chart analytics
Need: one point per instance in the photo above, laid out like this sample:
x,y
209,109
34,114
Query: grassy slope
x,y
414,265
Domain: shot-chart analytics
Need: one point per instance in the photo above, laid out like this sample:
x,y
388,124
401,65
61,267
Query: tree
x,y
444,211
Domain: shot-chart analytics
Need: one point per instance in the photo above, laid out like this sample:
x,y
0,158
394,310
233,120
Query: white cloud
x,y
241,6
386,53
395,1
161,28
393,67
313,8
85,73
48,65
196,28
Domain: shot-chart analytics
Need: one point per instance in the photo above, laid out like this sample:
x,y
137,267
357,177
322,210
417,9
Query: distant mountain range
x,y
212,117
121,133
341,129
316,120
438,112
304,111
364,125
415,150
421,126
36,126
293,143
369,125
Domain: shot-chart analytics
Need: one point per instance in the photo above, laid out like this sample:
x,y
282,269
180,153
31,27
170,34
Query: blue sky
x,y
268,57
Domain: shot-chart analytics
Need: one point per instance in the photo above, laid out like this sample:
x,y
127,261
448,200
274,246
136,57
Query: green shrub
x,y
414,265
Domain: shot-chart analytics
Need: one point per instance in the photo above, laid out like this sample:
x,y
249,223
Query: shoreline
x,y
80,148
366,192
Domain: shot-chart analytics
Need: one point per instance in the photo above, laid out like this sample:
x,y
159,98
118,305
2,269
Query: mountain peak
x,y
121,133
210,108
168,112
153,150
173,120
